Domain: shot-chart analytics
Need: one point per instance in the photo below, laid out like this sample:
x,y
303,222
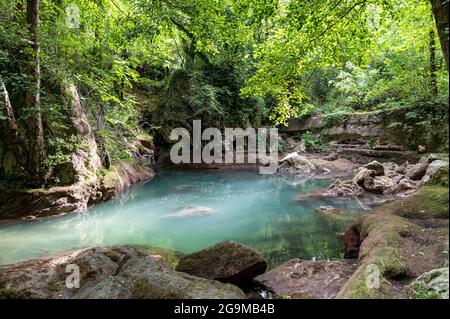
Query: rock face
x,y
228,262
433,284
74,198
107,273
307,279
84,161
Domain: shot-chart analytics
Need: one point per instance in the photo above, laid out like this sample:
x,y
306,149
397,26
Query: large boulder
x,y
432,284
296,163
417,171
307,279
437,173
108,273
228,261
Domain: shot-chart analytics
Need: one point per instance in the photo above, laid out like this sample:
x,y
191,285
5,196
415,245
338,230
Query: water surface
x,y
261,211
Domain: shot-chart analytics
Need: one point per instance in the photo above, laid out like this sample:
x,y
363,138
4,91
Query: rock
x,y
378,184
327,210
190,211
228,262
432,284
331,157
307,279
84,161
362,175
108,272
375,166
299,163
438,177
421,149
74,198
417,171
390,169
401,169
435,165
339,165
401,239
345,188
403,187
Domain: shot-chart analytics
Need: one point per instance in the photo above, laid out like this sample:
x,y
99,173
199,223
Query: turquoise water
x,y
261,211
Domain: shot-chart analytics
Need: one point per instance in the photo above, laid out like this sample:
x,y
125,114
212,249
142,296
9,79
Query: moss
x,y
10,293
52,286
168,256
145,290
440,177
419,291
430,201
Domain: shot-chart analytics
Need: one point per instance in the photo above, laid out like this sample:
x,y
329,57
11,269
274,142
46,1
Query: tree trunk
x,y
433,68
440,12
36,154
12,131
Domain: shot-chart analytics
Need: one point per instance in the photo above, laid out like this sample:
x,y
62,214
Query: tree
x,y
36,147
440,12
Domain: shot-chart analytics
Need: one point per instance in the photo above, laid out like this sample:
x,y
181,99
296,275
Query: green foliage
x,y
161,64
420,291
334,119
60,151
312,143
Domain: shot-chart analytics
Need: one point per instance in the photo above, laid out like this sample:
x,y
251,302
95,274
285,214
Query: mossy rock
x,y
440,177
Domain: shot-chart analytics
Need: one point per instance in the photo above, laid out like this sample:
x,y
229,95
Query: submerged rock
x,y
229,262
190,211
109,273
307,279
334,217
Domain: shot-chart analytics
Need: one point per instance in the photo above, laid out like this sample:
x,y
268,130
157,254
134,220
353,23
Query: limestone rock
x,y
375,166
298,163
378,184
110,273
362,175
228,262
345,188
307,279
417,171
